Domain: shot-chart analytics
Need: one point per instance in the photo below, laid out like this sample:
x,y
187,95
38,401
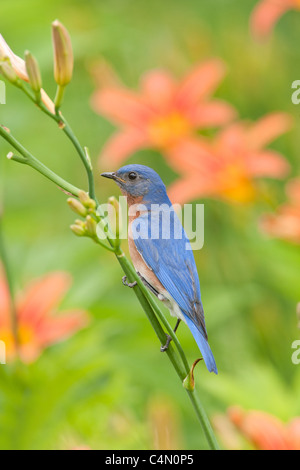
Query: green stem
x,y
99,242
60,91
30,160
63,124
205,423
86,162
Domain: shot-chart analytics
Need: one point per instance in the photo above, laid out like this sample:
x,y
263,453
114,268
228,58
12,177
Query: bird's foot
x,y
165,346
128,284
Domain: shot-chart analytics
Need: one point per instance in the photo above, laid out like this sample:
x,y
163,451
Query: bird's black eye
x,y
132,175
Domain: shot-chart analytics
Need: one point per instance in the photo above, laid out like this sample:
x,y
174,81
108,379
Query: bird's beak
x,y
112,176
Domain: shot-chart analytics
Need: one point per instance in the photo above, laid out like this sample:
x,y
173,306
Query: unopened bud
x,y
78,230
86,201
8,72
33,71
77,207
91,226
63,54
80,222
115,203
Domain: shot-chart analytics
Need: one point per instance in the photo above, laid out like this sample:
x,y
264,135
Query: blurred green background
x,y
106,386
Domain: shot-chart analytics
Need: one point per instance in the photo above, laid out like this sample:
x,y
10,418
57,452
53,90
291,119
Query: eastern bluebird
x,y
161,252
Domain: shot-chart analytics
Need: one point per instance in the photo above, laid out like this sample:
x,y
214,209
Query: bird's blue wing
x,y
170,259
166,250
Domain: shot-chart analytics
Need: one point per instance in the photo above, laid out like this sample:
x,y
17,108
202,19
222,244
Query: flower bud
x,y
80,222
91,226
77,207
33,72
63,54
78,230
8,72
86,201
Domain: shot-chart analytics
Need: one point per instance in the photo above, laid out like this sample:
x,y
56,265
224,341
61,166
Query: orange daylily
x,y
285,223
19,68
38,325
228,166
264,431
164,113
267,13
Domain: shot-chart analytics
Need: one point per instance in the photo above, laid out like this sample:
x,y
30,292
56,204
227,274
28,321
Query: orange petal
x,y
4,304
200,83
267,129
285,224
121,106
267,163
190,188
231,139
266,14
120,146
158,88
61,326
265,431
293,191
214,113
294,434
43,295
191,155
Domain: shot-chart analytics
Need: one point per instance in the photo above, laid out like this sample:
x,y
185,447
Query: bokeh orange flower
x,y
228,166
285,223
38,324
164,113
266,14
265,431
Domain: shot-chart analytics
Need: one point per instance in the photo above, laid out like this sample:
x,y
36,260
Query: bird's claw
x,y
128,284
165,346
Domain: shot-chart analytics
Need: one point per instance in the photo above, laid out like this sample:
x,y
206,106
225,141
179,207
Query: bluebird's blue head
x,y
140,182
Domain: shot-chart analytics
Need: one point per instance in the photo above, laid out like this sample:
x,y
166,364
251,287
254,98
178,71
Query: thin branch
x,y
64,125
29,159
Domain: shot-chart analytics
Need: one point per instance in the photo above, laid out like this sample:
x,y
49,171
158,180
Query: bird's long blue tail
x,y
203,346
